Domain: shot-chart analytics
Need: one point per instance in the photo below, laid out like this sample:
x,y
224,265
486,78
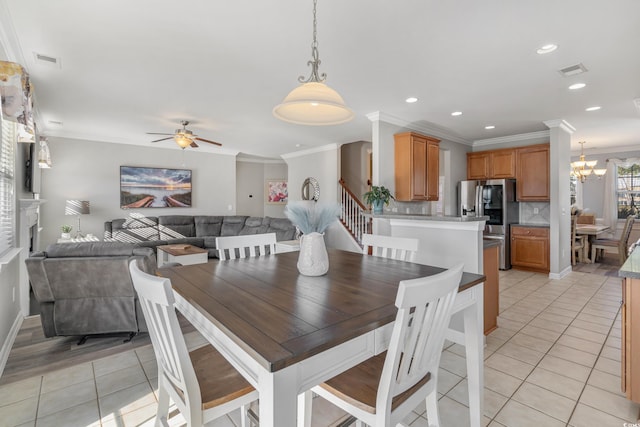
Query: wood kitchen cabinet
x,y
491,264
532,178
530,248
417,173
494,164
631,338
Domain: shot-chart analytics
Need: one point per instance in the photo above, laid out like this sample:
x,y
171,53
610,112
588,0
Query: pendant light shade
x,y
313,104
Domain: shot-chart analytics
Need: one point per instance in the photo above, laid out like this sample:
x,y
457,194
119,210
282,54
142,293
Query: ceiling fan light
x,y
182,140
314,104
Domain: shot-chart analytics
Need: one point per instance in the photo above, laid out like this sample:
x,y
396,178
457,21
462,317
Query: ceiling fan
x,y
183,137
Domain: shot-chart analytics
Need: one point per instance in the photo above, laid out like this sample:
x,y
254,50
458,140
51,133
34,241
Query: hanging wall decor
x,y
16,95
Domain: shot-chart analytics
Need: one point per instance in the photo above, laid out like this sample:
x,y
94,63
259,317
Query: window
x,y
7,199
629,190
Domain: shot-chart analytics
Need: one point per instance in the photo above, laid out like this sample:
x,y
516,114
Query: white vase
x,y
313,259
65,236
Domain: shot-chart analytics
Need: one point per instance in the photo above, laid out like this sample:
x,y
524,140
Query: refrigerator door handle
x,y
479,205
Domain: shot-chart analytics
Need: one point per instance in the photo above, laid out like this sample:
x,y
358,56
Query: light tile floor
x,y
553,361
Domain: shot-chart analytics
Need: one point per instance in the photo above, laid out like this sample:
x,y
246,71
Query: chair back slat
x,y
424,311
157,302
400,248
253,245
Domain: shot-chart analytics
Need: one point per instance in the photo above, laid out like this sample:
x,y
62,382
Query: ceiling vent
x,y
47,60
573,70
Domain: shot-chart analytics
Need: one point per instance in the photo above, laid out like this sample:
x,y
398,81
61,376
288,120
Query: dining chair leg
x,y
244,420
305,408
433,417
162,416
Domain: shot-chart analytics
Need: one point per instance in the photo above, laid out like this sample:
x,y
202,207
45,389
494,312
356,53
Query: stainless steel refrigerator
x,y
495,198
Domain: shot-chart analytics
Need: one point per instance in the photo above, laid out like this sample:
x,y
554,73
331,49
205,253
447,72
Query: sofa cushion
x,y
207,225
91,249
283,228
231,225
176,227
254,225
135,228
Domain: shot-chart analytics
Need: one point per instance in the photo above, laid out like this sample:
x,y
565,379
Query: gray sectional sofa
x,y
85,289
197,230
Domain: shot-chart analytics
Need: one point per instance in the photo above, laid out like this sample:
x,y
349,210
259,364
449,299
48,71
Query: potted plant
x,y
378,196
66,231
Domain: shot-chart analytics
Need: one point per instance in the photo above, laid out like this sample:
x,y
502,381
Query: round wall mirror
x,y
310,189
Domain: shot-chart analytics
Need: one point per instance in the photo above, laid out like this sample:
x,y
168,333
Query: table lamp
x,y
77,207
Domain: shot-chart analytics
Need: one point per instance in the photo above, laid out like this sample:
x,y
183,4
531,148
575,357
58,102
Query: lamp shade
x,y
315,104
77,207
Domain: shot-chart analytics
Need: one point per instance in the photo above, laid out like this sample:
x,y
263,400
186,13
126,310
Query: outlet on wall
x,y
535,211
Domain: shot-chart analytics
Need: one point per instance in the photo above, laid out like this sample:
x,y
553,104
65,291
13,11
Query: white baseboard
x,y
563,273
8,343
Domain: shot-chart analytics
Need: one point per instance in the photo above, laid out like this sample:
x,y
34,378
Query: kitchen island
x,y
444,240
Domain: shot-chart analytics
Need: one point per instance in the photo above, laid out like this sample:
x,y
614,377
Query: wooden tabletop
x,y
178,250
281,317
590,229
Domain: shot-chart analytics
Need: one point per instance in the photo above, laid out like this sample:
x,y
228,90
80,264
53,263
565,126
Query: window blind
x,y
7,184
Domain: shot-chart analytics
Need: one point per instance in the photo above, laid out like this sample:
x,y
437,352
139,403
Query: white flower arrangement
x,y
312,217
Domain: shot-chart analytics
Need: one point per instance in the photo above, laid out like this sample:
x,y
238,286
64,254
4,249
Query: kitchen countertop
x,y
631,267
531,225
450,218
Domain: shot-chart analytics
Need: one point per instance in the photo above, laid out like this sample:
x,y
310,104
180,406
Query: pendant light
x,y
313,102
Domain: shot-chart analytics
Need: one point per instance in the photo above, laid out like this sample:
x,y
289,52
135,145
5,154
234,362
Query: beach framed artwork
x,y
142,187
276,191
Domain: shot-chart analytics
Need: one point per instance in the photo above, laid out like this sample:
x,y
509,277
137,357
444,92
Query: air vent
x,y
47,60
54,122
573,70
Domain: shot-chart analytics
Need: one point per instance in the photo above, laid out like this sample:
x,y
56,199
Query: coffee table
x,y
183,254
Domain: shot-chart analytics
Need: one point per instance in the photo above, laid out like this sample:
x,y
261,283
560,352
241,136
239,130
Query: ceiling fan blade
x,y
210,142
156,133
193,144
163,139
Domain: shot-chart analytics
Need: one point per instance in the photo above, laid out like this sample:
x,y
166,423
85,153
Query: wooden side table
x,y
183,254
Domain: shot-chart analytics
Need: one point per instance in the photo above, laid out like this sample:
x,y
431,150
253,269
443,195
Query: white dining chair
x,y
383,390
251,245
400,248
202,384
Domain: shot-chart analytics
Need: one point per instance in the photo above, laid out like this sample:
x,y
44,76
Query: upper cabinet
x,y
494,164
532,178
417,171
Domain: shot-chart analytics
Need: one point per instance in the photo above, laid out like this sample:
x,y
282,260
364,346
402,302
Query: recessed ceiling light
x,y
456,113
594,108
547,48
490,127
411,100
577,86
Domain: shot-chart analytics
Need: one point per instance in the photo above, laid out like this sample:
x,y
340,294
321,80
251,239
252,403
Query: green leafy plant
x,y
376,194
66,228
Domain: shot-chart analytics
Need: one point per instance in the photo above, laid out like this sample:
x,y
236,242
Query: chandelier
x,y
313,102
583,168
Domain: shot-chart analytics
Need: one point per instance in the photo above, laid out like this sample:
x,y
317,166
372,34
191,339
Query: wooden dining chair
x,y
598,246
578,242
384,389
202,384
247,246
400,248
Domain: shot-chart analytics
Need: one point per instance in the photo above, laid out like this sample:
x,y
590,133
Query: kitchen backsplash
x,y
534,213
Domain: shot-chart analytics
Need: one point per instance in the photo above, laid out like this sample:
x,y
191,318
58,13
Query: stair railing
x,y
352,216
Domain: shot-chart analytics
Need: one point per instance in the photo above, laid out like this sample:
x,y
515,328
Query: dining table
x,y
592,231
286,332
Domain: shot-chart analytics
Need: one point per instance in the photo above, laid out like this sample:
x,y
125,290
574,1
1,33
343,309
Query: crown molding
x,y
261,161
302,153
560,123
429,130
608,150
511,138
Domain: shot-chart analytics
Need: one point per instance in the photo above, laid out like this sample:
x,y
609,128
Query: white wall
x,y
353,166
88,170
321,164
251,177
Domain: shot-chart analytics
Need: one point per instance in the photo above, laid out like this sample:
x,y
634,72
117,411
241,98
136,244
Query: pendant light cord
x,y
315,56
